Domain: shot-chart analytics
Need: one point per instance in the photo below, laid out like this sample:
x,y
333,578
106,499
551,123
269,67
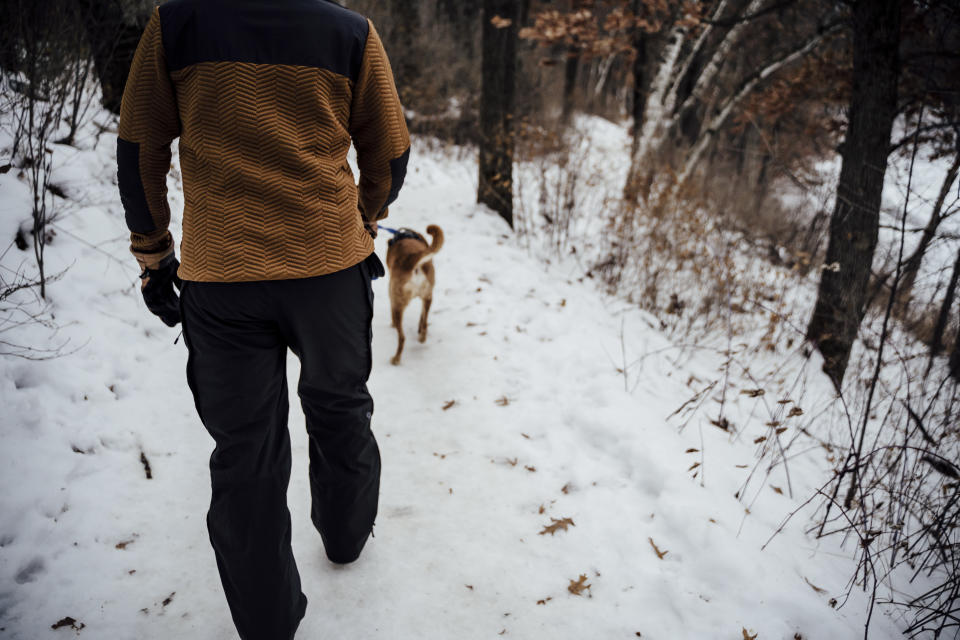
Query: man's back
x,y
265,96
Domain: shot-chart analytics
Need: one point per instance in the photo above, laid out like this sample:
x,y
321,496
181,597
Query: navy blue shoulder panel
x,y
310,33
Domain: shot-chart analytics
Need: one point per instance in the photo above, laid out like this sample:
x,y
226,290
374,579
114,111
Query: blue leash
x,y
393,231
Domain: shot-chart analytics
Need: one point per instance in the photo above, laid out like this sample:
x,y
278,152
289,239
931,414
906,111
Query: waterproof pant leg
x,y
237,335
327,324
236,370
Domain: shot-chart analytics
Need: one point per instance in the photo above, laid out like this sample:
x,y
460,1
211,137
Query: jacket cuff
x,y
152,260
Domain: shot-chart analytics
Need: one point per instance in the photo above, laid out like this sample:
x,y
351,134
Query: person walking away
x,y
276,253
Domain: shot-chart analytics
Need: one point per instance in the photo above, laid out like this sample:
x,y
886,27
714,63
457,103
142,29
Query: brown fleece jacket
x,y
265,96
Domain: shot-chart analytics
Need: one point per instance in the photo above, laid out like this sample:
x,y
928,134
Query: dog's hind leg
x,y
422,329
397,315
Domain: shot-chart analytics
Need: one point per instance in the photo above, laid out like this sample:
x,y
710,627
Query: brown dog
x,y
410,262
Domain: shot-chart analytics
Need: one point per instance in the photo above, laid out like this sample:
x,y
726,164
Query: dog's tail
x,y
437,235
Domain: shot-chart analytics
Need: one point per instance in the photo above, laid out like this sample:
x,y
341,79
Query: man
x,y
277,253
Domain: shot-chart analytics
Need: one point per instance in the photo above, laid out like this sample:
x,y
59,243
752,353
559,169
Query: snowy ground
x,y
511,417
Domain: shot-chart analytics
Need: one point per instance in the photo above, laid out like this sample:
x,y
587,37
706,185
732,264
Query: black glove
x,y
157,288
374,266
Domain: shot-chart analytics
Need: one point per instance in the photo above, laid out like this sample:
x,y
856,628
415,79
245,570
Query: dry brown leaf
x,y
795,411
814,587
578,586
530,468
68,622
565,489
753,393
759,440
777,489
448,404
692,450
747,636
656,550
503,401
545,600
557,525
693,466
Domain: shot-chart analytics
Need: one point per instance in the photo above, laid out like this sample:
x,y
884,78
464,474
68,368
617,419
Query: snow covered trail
x,y
511,417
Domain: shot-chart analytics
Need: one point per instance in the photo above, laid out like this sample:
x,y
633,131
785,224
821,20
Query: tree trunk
x,y
856,215
936,341
912,266
569,83
404,31
638,102
955,358
497,97
112,41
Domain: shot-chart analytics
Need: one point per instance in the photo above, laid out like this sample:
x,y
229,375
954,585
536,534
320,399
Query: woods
x,y
772,182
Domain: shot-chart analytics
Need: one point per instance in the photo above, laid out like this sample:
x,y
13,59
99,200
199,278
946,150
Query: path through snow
x,y
540,428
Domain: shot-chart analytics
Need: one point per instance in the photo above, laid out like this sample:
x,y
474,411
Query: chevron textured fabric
x,y
264,134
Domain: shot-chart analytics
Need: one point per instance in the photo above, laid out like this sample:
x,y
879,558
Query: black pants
x,y
237,335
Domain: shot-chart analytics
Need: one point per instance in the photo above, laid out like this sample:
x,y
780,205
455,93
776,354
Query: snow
x,y
543,426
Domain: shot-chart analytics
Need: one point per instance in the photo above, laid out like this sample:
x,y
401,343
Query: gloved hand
x,y
371,228
374,266
157,281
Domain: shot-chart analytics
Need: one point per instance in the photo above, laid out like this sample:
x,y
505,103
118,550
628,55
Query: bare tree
x,y
856,216
497,97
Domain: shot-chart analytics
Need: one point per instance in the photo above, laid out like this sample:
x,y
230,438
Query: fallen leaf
x,y
693,466
795,411
565,489
721,423
544,601
557,525
777,489
578,586
124,544
503,401
747,636
448,404
530,469
525,436
469,586
657,551
169,599
146,466
759,440
752,393
814,587
68,622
